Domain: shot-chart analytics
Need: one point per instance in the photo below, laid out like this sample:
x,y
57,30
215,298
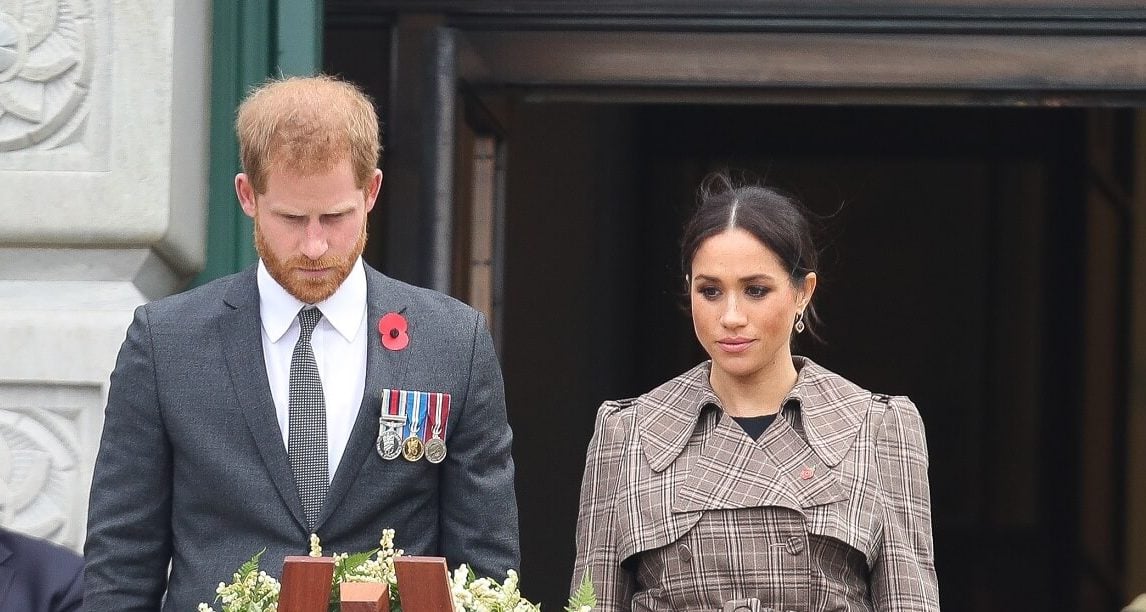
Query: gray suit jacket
x,y
192,470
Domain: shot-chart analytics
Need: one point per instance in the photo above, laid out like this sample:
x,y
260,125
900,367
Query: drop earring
x,y
799,322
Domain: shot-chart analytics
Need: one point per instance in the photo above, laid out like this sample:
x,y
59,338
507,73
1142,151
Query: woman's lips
x,y
735,345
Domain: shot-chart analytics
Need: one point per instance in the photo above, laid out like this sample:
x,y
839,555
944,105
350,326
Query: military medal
x,y
412,447
436,445
393,416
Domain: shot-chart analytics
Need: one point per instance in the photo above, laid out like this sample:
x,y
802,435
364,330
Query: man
x,y
38,576
227,431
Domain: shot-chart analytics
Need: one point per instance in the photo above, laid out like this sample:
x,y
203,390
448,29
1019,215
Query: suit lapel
x,y
385,369
243,350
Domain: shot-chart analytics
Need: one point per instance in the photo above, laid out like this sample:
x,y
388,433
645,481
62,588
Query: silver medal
x,y
435,450
389,444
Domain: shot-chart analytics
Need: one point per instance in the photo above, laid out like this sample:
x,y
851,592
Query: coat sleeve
x,y
597,525
903,574
128,545
478,505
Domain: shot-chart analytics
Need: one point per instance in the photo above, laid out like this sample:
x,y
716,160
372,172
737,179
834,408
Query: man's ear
x,y
373,188
246,194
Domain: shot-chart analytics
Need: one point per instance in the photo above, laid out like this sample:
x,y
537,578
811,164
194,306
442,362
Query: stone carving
x,y
39,471
45,72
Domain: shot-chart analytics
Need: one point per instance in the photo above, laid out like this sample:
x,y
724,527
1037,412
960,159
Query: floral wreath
x,y
254,590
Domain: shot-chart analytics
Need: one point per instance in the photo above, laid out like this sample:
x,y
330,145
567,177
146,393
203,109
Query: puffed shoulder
x,y
615,419
902,428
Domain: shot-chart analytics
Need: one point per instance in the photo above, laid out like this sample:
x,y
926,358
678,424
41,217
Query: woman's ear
x,y
806,291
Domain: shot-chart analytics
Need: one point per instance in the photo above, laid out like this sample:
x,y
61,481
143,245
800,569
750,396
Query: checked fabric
x,y
306,432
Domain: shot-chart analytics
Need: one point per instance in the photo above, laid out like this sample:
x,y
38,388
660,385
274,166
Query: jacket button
x,y
795,545
685,553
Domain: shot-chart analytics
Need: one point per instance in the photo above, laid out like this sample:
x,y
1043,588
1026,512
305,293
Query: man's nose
x,y
314,243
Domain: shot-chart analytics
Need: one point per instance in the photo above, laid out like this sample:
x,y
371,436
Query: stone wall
x,y
103,172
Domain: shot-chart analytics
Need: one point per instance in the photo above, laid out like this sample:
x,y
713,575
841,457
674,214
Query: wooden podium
x,y
306,584
423,584
364,597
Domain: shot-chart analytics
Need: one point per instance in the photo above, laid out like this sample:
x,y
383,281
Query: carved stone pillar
x,y
103,171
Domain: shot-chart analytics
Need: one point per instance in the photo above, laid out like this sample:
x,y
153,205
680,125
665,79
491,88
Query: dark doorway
x,y
955,270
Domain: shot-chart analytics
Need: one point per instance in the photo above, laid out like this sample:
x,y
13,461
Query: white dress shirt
x,y
339,342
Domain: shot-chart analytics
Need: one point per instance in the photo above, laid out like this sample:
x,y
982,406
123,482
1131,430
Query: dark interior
x,y
952,272
974,258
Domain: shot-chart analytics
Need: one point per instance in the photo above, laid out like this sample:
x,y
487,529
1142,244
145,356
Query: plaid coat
x,y
829,510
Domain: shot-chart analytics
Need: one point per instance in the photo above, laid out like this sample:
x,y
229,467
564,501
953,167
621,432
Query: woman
x,y
758,480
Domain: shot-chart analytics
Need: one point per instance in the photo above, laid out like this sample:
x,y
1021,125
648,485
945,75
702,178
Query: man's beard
x,y
309,290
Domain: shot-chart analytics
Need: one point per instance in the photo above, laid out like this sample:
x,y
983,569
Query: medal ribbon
x,y
423,412
439,417
415,403
390,399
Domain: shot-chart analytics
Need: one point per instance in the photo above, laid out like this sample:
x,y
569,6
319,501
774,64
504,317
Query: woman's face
x,y
744,305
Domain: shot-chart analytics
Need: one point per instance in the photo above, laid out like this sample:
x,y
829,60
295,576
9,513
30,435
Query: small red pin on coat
x,y
392,328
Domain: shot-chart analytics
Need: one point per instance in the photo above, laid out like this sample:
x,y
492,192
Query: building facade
x,y
980,167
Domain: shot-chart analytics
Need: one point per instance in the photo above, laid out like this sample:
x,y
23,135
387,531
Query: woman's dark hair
x,y
777,219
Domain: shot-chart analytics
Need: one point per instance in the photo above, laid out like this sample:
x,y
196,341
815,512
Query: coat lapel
x,y
385,369
735,471
243,350
787,467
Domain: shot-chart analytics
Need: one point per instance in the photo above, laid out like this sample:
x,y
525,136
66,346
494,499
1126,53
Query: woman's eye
x,y
709,293
756,291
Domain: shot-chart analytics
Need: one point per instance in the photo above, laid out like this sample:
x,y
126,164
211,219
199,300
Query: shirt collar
x,y
345,309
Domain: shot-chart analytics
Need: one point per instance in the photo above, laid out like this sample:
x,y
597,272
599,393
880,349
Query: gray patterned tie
x,y
306,431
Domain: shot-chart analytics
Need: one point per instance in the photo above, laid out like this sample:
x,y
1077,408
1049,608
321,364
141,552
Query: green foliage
x,y
585,598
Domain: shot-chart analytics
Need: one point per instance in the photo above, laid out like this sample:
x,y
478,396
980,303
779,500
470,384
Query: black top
x,y
755,426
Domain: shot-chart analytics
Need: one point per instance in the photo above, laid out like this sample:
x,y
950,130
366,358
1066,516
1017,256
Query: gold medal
x,y
412,448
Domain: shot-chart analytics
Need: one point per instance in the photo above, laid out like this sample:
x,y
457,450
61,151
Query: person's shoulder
x,y
199,300
32,551
892,413
656,415
616,413
420,299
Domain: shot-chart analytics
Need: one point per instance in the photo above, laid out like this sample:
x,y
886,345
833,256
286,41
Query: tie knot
x,y
307,319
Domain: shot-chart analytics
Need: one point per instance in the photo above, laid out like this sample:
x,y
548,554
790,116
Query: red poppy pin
x,y
392,327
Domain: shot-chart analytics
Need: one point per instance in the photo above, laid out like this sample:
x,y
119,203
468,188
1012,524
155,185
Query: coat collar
x,y
829,408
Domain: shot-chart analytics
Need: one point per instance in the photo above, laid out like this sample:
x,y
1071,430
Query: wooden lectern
x,y
306,584
423,584
365,597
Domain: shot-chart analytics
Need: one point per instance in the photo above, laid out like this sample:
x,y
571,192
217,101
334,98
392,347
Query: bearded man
x,y
308,394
